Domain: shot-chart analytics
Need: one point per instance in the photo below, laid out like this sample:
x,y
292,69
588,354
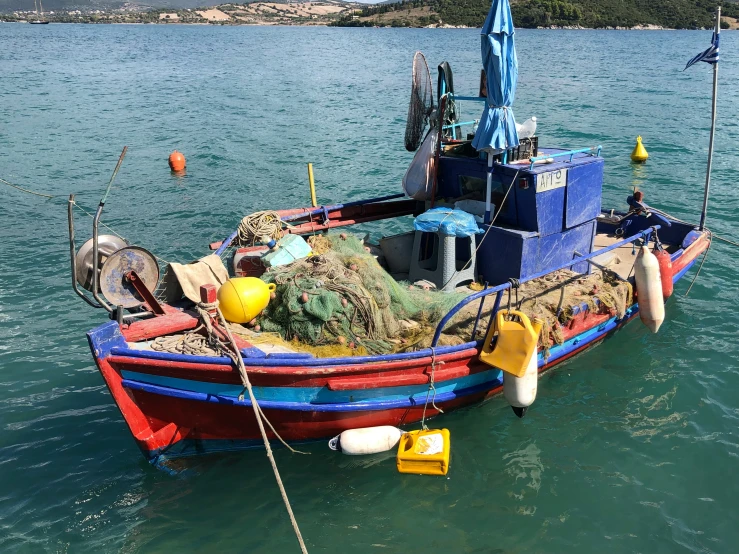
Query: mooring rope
x,y
432,386
29,191
202,309
196,343
710,241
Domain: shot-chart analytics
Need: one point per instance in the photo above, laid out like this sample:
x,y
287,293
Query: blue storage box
x,y
553,197
507,253
546,199
466,176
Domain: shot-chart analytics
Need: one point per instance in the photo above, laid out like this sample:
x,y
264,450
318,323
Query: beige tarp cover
x,y
186,279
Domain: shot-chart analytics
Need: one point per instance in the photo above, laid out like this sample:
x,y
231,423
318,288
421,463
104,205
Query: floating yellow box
x,y
425,452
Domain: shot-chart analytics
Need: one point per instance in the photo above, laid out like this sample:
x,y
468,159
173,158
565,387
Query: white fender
x,y
369,440
649,289
521,391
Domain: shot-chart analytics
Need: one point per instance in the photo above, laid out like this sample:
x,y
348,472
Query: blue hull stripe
x,y
316,395
305,406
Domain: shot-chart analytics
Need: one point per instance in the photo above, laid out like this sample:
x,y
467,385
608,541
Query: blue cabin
x,y
547,208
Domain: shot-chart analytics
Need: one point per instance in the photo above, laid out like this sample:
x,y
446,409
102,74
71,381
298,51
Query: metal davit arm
x,y
73,255
95,249
500,288
96,260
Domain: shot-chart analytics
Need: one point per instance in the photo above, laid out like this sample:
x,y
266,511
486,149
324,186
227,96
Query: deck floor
x,y
621,259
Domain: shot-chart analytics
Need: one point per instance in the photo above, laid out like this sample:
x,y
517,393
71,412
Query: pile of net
x,y
554,299
342,297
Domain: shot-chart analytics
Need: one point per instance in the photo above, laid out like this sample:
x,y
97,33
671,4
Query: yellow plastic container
x,y
425,452
241,299
516,343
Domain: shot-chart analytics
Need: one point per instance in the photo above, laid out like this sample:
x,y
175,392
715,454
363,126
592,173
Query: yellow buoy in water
x,y
639,154
241,299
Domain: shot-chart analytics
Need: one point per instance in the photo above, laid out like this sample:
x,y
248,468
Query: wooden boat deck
x,y
621,259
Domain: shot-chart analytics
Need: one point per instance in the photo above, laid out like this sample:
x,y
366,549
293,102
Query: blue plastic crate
x,y
507,253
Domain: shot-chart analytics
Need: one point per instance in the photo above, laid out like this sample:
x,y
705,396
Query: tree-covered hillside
x,y
676,14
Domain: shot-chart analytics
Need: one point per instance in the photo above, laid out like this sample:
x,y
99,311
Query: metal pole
x,y
96,261
713,129
95,249
489,189
73,253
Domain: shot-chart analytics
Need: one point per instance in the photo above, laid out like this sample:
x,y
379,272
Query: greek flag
x,y
710,55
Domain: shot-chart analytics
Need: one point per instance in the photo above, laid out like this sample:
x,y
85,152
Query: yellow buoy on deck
x,y
241,299
639,154
517,340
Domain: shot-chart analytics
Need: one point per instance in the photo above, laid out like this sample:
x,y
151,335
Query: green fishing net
x,y
341,295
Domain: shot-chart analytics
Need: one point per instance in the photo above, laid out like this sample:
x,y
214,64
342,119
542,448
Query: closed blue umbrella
x,y
497,129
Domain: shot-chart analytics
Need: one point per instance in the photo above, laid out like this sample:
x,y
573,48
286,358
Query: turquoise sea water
x,y
631,447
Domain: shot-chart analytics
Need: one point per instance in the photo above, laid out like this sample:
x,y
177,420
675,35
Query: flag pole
x,y
713,128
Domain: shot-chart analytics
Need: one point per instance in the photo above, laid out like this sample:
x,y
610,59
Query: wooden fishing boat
x,y
548,218
179,405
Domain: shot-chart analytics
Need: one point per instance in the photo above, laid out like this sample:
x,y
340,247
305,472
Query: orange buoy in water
x,y
176,161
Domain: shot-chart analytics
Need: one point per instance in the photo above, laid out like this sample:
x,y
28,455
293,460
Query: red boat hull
x,y
178,408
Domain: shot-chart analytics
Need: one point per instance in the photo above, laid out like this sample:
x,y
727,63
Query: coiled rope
x,y
196,343
257,225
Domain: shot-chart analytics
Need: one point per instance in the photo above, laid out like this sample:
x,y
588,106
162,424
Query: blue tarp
x,y
497,128
447,222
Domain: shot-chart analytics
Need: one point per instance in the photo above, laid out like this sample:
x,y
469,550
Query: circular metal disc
x,y
107,244
113,283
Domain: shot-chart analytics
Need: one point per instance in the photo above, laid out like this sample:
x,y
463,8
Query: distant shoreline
x,y
323,24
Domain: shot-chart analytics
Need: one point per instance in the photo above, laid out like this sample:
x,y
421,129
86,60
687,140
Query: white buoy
x,y
649,289
521,391
369,440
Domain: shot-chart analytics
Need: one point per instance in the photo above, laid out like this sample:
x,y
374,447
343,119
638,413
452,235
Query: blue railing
x,y
471,98
570,153
500,288
473,122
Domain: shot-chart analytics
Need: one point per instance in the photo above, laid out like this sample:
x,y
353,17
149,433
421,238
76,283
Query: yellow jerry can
x,y
516,341
425,452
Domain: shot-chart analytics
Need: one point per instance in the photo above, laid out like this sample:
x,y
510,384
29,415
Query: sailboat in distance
x,y
38,20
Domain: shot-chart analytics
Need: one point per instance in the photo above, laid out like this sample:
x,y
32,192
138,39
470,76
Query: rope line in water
x,y
260,418
710,241
210,343
725,240
29,191
428,392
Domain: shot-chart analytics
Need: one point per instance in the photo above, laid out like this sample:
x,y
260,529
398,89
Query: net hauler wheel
x,y
114,283
107,244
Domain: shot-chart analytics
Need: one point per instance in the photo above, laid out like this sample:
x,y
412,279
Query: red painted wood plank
x,y
146,329
376,381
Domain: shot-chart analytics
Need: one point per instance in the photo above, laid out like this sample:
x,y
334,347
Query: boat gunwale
x,y
123,353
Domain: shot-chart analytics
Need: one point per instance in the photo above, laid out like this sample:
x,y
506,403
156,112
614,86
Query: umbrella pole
x,y
489,188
